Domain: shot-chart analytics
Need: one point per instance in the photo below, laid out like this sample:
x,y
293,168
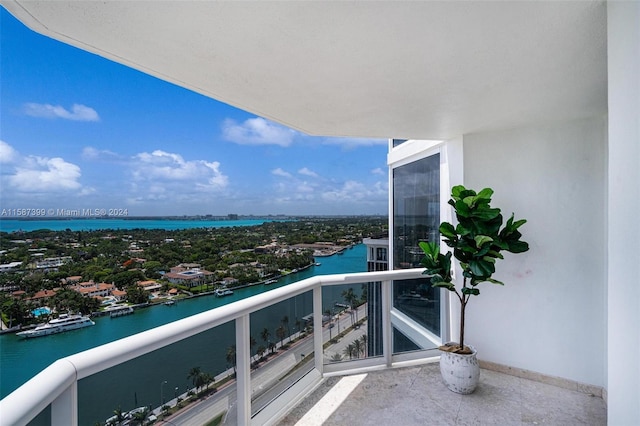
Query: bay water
x,y
145,380
12,225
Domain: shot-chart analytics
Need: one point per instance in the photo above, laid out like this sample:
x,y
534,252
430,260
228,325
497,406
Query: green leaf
x,y
447,230
471,291
486,193
491,280
444,284
480,268
482,240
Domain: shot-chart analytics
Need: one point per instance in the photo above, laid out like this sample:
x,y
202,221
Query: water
x,y
138,382
11,225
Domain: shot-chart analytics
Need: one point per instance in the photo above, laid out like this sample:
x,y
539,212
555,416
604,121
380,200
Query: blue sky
x,y
80,132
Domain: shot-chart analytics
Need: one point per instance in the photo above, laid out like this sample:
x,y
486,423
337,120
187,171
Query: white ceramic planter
x,y
460,373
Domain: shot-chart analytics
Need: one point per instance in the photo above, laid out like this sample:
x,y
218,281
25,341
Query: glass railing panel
x,y
190,381
352,322
416,316
281,342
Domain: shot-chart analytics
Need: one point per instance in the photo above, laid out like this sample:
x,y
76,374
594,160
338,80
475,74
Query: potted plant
x,y
476,242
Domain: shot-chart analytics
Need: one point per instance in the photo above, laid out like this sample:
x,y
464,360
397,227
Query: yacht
x,y
120,311
223,292
64,322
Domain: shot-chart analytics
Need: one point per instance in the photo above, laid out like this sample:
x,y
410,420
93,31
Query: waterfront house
x,y
538,100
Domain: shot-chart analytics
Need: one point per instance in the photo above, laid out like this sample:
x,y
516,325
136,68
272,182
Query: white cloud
x,y
352,191
78,112
257,131
7,153
37,174
280,172
160,169
307,172
94,154
379,171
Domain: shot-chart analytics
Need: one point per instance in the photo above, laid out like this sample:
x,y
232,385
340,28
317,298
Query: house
x,y
92,289
538,100
188,277
149,285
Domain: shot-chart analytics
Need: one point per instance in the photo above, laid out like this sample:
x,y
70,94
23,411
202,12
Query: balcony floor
x,y
417,396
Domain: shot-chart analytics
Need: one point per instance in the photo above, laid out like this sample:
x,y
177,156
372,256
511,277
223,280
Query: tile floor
x,y
416,396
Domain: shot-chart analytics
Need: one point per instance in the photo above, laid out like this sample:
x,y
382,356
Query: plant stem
x,y
463,306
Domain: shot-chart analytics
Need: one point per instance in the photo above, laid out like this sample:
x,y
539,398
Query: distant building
x,y
53,262
91,289
190,277
10,267
377,260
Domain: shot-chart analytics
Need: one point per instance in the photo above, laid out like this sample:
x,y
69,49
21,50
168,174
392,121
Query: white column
x,y
64,409
317,329
243,370
623,294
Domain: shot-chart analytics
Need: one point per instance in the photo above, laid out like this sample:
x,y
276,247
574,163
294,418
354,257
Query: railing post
x,y
318,332
387,345
64,409
243,370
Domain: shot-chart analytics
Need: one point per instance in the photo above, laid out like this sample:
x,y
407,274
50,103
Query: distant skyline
x,y
80,132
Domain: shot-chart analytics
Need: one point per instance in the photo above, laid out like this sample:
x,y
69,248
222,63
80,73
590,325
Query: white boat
x,y
270,282
120,311
223,292
61,324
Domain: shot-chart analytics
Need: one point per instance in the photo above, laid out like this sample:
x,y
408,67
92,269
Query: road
x,y
270,379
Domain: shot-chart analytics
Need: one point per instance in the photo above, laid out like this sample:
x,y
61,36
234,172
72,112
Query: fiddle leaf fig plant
x,y
476,242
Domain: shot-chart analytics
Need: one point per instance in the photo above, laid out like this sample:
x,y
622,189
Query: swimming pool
x,y
41,311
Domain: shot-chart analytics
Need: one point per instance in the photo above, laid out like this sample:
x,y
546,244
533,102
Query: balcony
x,y
296,378
416,395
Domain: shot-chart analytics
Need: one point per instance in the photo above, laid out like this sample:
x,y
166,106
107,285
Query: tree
x,y
357,347
195,374
336,357
139,417
261,350
252,342
364,339
285,322
264,334
349,350
281,333
350,297
231,356
119,417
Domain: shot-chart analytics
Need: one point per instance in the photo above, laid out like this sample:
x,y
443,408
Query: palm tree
x,y
139,417
231,356
119,414
207,379
281,333
261,350
351,299
363,339
252,342
272,347
194,375
336,357
349,350
285,322
357,347
265,335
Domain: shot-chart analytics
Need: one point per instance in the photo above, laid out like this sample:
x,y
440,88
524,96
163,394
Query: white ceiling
x,y
428,70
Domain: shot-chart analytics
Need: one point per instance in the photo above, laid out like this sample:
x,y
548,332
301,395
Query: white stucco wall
x,y
623,381
550,315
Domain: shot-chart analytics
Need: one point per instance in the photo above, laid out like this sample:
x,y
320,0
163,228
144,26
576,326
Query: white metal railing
x,y
57,384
